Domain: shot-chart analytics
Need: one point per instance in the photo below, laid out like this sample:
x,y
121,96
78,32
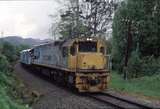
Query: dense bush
x,y
11,52
140,67
6,101
3,63
134,65
150,65
8,55
6,85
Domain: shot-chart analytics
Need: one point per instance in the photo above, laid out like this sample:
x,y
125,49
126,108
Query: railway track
x,y
119,102
112,100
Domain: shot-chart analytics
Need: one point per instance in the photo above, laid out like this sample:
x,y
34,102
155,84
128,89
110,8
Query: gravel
x,y
51,96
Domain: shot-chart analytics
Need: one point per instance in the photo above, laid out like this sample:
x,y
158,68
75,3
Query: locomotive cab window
x,y
87,46
102,50
64,51
73,50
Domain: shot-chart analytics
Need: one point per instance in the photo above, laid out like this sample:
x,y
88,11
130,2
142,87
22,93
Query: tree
x,y
144,30
86,18
3,63
21,47
9,51
97,15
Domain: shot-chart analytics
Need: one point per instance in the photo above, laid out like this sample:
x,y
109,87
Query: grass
x,y
146,86
6,101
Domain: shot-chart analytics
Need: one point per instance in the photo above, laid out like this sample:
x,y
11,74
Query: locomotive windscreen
x,y
87,46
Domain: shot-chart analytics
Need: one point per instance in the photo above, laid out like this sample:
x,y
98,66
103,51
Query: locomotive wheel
x,y
52,75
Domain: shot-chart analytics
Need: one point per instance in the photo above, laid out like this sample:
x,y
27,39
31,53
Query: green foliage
x,y
134,65
8,55
109,46
150,66
145,30
9,51
20,48
148,85
84,18
6,102
145,66
3,63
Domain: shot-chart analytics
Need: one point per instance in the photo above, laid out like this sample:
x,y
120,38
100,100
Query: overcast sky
x,y
27,18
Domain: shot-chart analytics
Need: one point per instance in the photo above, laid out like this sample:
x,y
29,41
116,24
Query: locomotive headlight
x,y
89,39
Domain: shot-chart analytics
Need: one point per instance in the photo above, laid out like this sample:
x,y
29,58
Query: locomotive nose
x,y
91,61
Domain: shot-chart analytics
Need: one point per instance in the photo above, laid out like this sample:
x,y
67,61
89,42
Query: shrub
x,y
134,65
8,55
146,66
6,86
4,65
150,65
6,101
9,51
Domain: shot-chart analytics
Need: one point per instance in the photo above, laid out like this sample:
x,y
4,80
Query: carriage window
x,y
87,46
73,50
64,51
102,50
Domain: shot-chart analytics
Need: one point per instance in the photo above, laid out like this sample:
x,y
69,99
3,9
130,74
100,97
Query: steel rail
x,y
119,102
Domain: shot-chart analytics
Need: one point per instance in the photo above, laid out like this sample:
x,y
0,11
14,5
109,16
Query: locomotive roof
x,y
68,42
47,43
27,50
71,41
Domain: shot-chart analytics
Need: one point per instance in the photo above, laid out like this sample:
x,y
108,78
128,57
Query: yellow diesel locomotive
x,y
81,63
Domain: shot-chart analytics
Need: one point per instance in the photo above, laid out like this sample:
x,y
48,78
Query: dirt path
x,y
54,97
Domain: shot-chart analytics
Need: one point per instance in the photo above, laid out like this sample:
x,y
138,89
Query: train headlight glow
x,y
89,39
